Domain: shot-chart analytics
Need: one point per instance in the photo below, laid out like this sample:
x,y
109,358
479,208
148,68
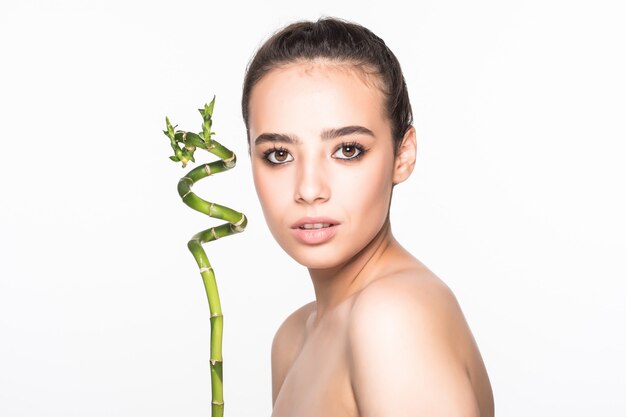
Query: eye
x,y
348,151
277,156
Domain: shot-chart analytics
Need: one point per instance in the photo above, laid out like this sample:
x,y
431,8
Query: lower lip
x,y
315,236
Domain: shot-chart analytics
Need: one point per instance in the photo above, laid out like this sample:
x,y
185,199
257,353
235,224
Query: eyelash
x,y
355,145
267,153
360,148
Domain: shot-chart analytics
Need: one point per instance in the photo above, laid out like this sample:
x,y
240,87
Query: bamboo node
x,y
214,234
186,194
217,315
229,162
204,269
207,169
240,222
214,361
236,227
217,402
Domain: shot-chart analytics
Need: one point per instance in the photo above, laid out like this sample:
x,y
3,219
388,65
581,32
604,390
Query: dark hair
x,y
339,41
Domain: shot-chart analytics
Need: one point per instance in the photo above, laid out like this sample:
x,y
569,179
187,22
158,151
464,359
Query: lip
x,y
314,236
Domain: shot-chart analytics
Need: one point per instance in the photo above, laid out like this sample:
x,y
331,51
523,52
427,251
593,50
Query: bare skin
x,y
328,362
385,337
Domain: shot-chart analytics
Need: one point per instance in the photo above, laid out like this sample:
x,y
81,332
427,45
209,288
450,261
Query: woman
x,y
330,132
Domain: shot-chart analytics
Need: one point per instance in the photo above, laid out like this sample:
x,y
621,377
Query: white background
x,y
517,201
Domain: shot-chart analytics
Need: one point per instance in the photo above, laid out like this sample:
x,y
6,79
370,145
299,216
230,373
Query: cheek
x,y
262,187
271,193
366,193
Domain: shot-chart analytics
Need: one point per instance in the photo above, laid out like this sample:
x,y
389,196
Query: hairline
x,y
366,73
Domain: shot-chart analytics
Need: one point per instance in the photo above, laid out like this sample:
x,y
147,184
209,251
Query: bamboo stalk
x,y
184,145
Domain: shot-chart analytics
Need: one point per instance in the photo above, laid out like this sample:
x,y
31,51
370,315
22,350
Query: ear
x,y
405,158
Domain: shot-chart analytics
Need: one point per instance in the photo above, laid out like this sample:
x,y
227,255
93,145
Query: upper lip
x,y
314,220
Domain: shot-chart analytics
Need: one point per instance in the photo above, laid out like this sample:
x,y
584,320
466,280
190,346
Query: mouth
x,y
313,223
313,231
309,226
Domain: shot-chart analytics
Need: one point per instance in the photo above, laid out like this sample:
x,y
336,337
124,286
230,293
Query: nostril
x,y
311,184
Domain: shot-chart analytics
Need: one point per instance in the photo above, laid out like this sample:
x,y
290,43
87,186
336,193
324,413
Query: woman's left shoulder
x,y
409,343
415,303
410,293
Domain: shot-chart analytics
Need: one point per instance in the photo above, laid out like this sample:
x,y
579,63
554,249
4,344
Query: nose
x,y
311,183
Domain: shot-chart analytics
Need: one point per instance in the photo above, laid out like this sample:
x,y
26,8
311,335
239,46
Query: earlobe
x,y
405,158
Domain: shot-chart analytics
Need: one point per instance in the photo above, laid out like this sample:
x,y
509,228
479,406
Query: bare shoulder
x,y
287,344
414,294
412,351
291,331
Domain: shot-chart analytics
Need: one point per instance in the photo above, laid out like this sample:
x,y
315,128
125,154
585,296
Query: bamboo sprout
x,y
184,145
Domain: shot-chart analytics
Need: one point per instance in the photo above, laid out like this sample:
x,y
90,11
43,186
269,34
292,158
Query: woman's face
x,y
322,160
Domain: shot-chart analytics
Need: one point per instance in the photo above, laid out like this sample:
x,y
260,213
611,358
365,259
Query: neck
x,y
334,285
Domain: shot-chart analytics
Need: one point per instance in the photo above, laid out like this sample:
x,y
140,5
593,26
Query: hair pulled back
x,y
338,41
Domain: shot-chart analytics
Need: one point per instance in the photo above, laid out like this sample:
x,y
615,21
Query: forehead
x,y
315,95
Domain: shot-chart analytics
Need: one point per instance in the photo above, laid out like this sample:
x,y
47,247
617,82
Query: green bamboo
x,y
184,145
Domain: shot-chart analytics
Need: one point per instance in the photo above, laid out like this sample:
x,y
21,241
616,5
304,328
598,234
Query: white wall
x,y
517,202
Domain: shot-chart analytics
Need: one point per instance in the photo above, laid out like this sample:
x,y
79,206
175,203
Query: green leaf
x,y
210,106
170,129
179,135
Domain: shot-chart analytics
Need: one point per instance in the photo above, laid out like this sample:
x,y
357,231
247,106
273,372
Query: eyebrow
x,y
327,134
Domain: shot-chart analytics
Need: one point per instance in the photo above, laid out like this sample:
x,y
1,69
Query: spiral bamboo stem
x,y
184,145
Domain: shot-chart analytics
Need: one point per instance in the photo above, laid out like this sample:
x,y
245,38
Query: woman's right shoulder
x,y
293,327
287,343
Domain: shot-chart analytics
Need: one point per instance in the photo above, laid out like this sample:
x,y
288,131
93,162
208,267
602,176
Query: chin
x,y
317,264
318,257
